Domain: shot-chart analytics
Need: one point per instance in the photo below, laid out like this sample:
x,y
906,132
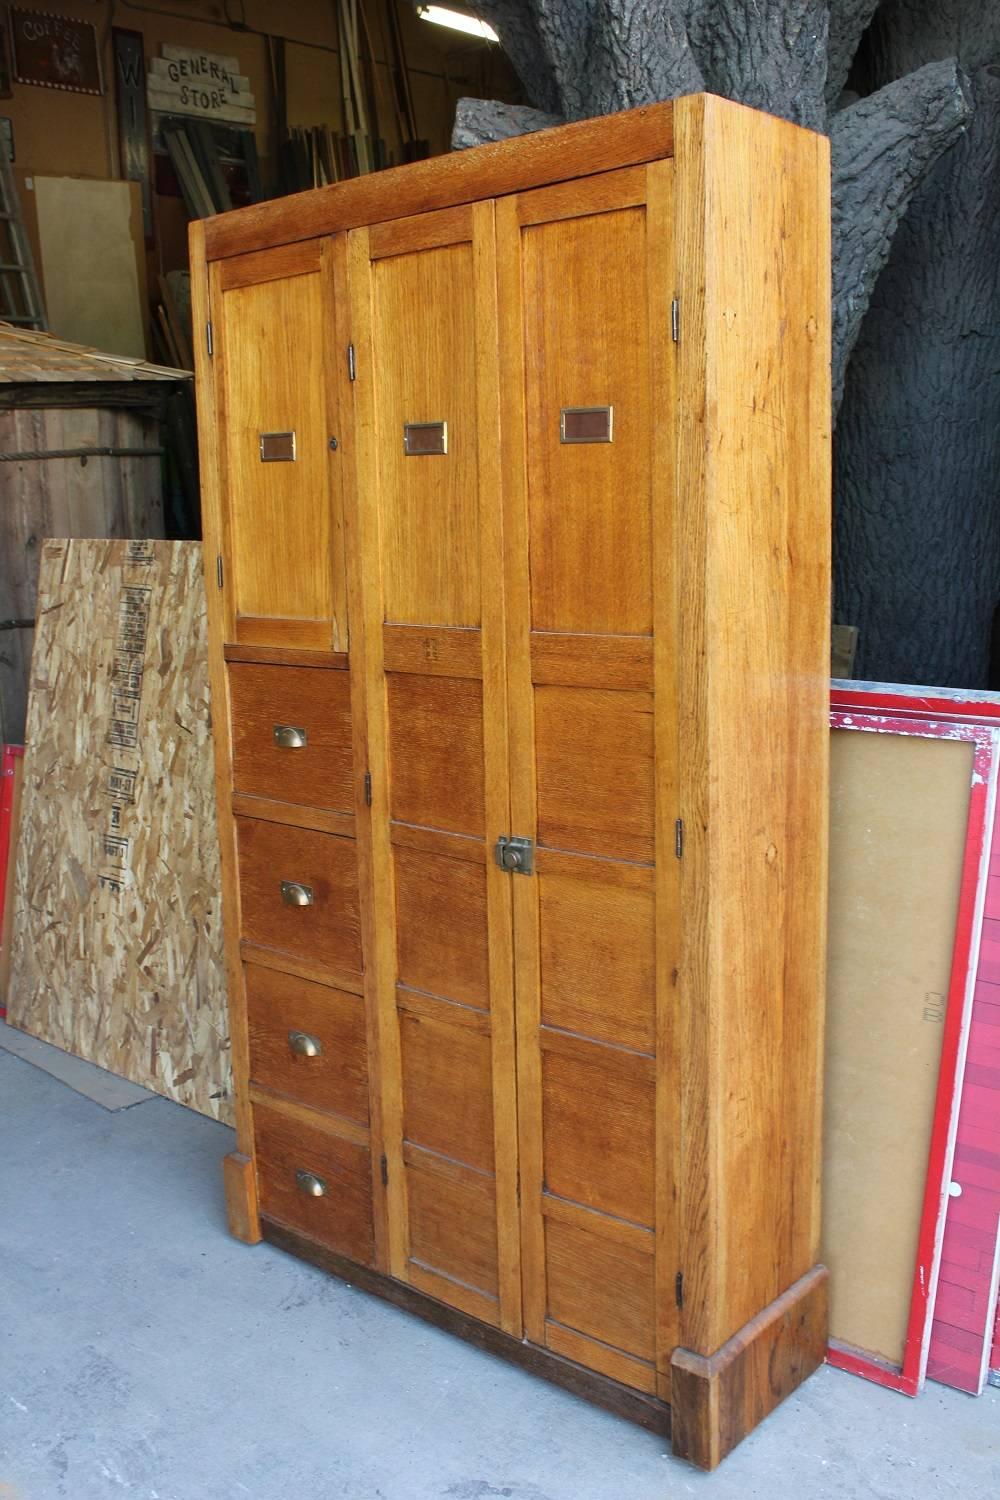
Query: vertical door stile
x,y
520,709
218,457
496,765
350,525
587,440
424,311
663,379
381,959
338,405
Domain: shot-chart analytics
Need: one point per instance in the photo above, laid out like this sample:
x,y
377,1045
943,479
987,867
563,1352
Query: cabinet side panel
x,y
753,225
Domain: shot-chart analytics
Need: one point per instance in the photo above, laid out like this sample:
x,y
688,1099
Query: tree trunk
x,y
917,532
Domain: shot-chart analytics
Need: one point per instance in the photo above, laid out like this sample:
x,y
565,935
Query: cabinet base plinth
x,y
644,1410
240,1185
717,1399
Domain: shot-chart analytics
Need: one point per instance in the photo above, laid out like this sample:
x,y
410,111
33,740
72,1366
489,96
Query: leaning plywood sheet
x,y
117,949
900,819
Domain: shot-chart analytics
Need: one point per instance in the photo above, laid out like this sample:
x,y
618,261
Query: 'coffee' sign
x,y
55,52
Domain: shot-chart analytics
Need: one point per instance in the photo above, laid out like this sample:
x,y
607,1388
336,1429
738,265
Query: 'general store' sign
x,y
185,81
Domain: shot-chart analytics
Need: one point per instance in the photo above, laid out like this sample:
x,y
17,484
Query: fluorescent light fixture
x,y
457,20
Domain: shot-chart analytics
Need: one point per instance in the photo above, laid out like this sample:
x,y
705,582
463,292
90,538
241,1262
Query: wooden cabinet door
x,y
587,378
274,335
428,522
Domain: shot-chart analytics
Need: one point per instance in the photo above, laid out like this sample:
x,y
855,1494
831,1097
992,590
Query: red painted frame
x,y
851,709
11,753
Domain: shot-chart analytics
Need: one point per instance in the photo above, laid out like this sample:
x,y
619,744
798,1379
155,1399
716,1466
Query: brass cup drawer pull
x,y
310,1184
293,893
290,737
304,1045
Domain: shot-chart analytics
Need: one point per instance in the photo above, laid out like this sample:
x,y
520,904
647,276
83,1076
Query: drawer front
x,y
292,734
308,1041
294,1162
326,931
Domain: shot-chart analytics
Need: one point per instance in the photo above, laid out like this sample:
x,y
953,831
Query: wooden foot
x,y
240,1183
717,1399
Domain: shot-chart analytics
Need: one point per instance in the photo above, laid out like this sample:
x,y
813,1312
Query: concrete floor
x,y
145,1353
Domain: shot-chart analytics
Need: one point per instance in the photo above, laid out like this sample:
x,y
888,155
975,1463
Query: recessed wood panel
x,y
328,931
342,1217
586,344
598,962
453,1223
281,535
594,763
436,752
597,1111
424,345
447,1090
441,926
281,1004
601,1288
319,773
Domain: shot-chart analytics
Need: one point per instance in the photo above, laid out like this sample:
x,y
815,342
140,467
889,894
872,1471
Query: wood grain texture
x,y
602,1289
328,930
588,503
342,1217
717,1400
117,953
449,959
239,1182
590,146
754,429
319,773
279,1005
276,361
595,770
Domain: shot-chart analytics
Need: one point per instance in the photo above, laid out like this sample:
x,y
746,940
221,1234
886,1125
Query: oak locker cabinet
x,y
516,479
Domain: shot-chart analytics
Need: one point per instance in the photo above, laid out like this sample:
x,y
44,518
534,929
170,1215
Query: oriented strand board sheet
x,y
89,263
898,821
117,941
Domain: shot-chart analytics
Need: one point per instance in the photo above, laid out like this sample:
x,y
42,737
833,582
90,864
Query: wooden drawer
x,y
313,700
308,1041
325,933
286,1148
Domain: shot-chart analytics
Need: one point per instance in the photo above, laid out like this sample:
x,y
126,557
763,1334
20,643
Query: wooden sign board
x,y
117,931
204,85
55,52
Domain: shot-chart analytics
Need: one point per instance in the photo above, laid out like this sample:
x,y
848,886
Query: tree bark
x,y
881,147
917,475
479,121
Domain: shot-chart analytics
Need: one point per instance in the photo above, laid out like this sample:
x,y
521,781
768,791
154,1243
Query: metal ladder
x,y
20,295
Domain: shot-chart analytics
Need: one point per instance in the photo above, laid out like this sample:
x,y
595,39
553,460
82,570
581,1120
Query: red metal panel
x,y
11,754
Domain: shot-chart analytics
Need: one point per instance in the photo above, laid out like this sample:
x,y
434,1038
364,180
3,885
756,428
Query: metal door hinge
x,y
352,363
219,574
675,320
368,789
515,855
679,838
385,1171
208,338
679,1288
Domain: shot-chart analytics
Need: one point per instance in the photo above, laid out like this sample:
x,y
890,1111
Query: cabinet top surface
x,y
509,166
